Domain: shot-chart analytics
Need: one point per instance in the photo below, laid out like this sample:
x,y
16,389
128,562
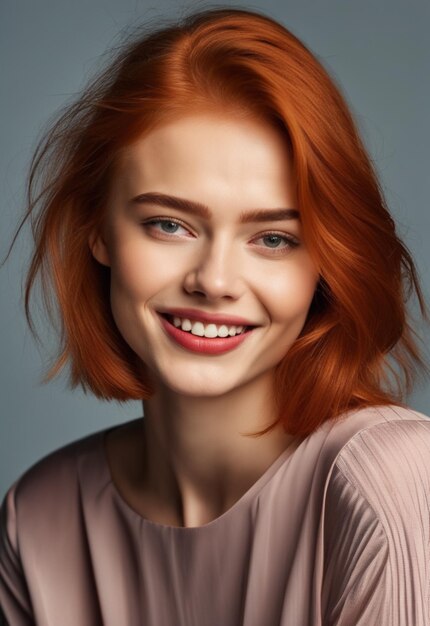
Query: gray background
x,y
377,50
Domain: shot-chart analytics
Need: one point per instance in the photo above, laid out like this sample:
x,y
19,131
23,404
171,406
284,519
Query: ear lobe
x,y
99,248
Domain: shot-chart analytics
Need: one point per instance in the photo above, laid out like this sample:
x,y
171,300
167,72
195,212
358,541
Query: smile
x,y
203,329
204,338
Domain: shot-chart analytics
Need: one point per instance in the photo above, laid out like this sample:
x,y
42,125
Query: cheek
x,y
288,294
136,280
137,274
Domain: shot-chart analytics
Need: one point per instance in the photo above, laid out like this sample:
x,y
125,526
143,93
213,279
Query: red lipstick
x,y
205,345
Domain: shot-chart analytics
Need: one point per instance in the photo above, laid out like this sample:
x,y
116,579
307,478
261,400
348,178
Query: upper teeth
x,y
207,330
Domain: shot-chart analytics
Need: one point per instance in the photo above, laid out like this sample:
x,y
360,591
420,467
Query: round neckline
x,y
246,497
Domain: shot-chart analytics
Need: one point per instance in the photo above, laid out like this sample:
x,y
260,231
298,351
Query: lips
x,y
194,343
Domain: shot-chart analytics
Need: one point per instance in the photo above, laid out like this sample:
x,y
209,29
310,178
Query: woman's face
x,y
163,256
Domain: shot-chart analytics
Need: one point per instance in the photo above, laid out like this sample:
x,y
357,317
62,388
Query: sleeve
x,y
377,529
15,603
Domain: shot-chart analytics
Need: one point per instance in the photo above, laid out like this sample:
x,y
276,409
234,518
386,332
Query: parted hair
x,y
358,346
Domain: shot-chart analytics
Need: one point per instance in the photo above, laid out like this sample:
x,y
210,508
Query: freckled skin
x,y
218,265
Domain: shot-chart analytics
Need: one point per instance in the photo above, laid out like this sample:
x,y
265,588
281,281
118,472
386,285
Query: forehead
x,y
208,150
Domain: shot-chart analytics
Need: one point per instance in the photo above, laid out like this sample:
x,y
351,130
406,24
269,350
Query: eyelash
x,y
292,242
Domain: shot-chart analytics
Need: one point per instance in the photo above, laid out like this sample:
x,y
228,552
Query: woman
x,y
220,249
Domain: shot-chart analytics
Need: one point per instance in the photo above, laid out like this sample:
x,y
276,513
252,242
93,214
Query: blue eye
x,y
170,226
276,238
165,223
167,226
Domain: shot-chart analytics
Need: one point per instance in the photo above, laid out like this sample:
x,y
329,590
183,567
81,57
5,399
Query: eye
x,y
275,240
168,226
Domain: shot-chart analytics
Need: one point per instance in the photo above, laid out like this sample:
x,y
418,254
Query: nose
x,y
215,273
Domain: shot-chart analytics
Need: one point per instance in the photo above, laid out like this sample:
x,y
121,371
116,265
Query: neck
x,y
197,457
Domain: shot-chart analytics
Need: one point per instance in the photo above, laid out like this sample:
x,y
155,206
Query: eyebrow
x,y
202,210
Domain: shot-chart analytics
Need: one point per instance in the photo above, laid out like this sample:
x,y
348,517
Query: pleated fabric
x,y
336,532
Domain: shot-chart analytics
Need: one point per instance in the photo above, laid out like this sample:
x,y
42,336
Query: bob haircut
x,y
242,63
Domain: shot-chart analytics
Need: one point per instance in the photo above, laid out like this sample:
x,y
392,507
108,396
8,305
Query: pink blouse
x,y
336,532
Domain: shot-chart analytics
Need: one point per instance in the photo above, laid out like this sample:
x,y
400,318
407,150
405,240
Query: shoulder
x,y
49,489
387,467
337,438
34,512
388,463
380,454
393,452
53,474
381,448
376,524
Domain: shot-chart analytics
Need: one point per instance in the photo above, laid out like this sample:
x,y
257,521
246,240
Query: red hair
x,y
243,63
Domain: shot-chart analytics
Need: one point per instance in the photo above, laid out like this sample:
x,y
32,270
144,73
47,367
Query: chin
x,y
197,388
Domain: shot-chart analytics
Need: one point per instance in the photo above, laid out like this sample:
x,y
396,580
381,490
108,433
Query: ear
x,y
99,248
